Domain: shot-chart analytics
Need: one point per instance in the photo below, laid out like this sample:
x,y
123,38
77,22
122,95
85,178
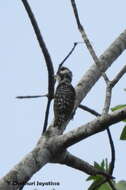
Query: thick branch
x,y
41,154
91,128
106,59
82,89
76,163
24,170
93,74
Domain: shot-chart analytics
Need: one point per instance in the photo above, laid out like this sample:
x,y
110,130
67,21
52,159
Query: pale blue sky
x,y
23,72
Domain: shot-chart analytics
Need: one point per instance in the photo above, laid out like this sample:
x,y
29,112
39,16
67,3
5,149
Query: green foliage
x,y
102,187
103,166
118,107
121,185
123,134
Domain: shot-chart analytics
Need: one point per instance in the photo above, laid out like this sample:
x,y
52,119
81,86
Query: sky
x,y
23,72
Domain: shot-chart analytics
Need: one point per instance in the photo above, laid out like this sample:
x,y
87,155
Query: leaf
x,y
106,165
99,166
118,107
94,184
121,185
94,178
105,187
91,177
102,187
103,164
123,134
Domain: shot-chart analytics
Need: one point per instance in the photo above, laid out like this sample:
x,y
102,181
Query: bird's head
x,y
64,75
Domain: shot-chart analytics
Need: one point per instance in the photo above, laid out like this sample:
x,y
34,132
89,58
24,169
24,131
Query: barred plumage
x,y
64,97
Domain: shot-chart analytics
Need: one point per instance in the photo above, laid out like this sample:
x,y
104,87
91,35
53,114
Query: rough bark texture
x,y
47,150
91,128
106,60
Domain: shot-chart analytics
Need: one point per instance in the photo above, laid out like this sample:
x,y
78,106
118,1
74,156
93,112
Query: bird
x,y
64,98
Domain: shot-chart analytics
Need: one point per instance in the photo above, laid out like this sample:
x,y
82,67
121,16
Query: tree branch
x,y
47,57
85,108
92,75
97,62
76,163
107,99
118,76
110,85
24,170
46,115
36,96
91,128
112,163
42,46
106,59
82,89
86,40
71,51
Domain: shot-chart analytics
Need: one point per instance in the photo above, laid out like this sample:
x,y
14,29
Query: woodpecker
x,y
64,99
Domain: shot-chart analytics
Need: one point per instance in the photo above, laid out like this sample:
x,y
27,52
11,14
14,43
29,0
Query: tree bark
x,y
46,150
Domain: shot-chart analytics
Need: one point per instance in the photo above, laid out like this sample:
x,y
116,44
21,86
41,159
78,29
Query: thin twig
x,y
36,96
118,76
71,51
110,85
85,108
107,98
86,40
112,163
47,57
